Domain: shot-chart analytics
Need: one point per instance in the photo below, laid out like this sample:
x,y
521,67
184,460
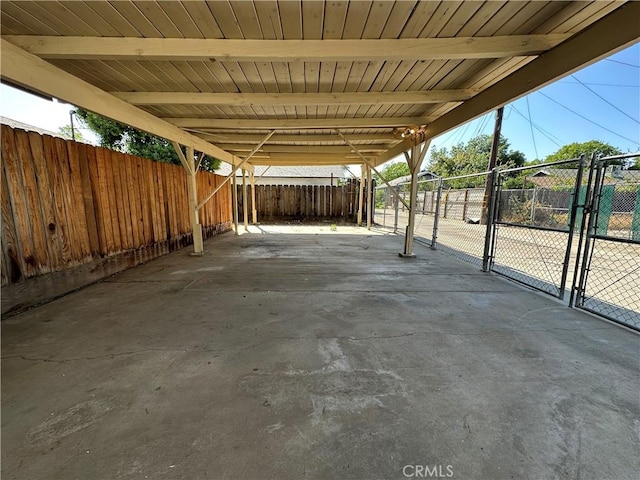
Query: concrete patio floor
x,y
305,353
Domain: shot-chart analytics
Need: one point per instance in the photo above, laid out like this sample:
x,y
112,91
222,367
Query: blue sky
x,y
608,96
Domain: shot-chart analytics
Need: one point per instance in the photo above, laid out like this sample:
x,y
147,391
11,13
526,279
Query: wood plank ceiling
x,y
231,71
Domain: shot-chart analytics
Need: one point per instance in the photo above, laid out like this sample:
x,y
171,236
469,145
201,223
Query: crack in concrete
x,y
383,337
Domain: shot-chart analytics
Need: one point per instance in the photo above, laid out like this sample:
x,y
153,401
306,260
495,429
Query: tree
x,y
392,171
117,136
473,157
634,165
65,131
575,150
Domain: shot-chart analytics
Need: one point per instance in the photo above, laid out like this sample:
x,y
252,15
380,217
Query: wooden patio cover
x,y
219,76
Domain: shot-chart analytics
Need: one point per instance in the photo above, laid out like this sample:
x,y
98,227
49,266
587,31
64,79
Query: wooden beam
x,y
393,152
299,99
369,166
612,33
289,159
29,71
304,149
297,123
170,49
243,164
188,166
251,138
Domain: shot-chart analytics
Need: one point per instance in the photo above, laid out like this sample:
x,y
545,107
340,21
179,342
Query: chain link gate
x,y
550,226
607,282
534,223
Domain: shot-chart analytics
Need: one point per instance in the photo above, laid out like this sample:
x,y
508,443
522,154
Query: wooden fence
x,y
66,204
303,202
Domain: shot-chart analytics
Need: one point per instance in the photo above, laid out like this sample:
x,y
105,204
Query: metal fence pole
x,y
396,205
572,226
384,207
495,217
492,203
533,205
436,215
590,230
586,210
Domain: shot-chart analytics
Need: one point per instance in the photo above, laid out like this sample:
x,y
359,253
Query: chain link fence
x,y
570,226
392,214
609,281
534,224
461,231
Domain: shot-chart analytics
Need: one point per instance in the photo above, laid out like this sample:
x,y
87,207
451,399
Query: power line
x,y
588,119
461,132
555,140
509,113
450,135
481,124
601,84
533,137
605,100
622,63
485,123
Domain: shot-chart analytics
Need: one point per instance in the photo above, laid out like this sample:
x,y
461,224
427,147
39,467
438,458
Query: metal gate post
x,y
586,211
436,215
572,225
591,228
492,204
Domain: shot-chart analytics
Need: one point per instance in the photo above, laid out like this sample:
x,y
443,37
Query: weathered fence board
x,y
65,204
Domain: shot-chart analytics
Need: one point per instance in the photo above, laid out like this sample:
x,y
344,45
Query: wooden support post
x,y
254,211
418,152
464,205
188,160
234,197
361,196
245,201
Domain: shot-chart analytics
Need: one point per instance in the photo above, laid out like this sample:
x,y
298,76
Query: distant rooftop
x,y
328,171
424,175
10,122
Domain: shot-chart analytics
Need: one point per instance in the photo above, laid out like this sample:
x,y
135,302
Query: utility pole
x,y
73,130
493,157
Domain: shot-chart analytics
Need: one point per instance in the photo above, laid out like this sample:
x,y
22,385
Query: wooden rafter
x,y
298,123
309,149
288,159
168,49
252,138
300,99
